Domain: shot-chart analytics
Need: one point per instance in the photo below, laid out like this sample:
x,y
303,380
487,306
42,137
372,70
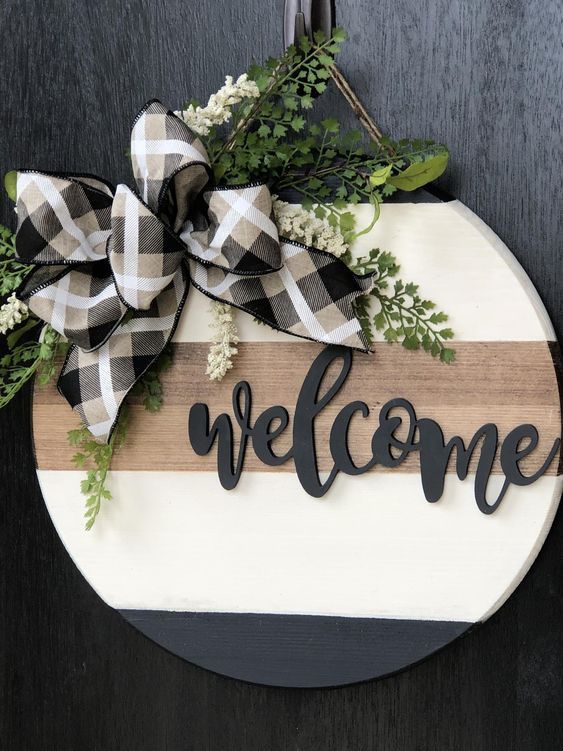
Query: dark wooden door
x,y
486,78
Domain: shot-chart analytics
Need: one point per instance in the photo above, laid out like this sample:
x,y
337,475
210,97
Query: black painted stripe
x,y
295,650
428,194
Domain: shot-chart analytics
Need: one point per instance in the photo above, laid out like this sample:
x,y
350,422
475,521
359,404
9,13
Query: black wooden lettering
x,y
309,404
435,456
202,437
339,446
384,438
263,435
511,453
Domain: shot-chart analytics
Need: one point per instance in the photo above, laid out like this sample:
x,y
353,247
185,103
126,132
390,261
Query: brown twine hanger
x,y
303,18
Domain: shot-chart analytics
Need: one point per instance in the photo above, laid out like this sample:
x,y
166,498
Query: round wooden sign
x,y
267,582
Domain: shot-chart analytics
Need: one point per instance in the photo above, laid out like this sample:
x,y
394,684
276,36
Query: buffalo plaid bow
x,y
113,267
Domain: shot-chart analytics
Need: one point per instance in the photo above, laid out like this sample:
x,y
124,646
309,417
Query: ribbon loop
x,y
62,219
311,296
170,164
238,232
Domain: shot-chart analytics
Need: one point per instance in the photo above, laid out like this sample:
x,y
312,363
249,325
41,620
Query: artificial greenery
x,y
27,359
271,138
258,144
12,273
149,387
97,457
403,315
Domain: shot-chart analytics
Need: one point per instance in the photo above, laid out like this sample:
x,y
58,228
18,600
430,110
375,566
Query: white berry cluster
x,y
13,311
223,340
218,108
296,223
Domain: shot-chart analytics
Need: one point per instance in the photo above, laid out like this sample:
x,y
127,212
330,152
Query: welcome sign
x,y
434,453
323,516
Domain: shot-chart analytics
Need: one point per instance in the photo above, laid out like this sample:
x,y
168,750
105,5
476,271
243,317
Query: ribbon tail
x,y
311,296
96,383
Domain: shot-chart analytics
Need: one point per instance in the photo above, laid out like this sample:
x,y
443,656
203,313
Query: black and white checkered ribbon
x,y
113,267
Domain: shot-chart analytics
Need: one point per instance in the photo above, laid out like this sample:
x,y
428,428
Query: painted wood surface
x,y
485,78
508,383
185,560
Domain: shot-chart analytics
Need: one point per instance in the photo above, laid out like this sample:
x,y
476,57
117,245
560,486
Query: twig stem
x,y
352,98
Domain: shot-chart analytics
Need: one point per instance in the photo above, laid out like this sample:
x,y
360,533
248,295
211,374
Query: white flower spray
x,y
296,223
201,120
13,311
224,341
218,108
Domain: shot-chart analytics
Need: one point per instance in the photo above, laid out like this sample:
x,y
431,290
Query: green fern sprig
x,y
403,315
97,457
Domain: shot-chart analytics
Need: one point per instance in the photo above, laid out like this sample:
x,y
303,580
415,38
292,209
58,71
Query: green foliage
x,y
149,386
260,145
28,358
343,172
272,141
380,175
10,184
418,174
97,458
52,348
403,315
12,272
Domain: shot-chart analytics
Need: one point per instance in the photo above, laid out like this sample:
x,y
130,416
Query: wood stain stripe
x,y
508,383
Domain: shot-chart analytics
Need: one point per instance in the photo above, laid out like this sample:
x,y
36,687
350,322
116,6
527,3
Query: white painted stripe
x,y
372,547
458,262
513,264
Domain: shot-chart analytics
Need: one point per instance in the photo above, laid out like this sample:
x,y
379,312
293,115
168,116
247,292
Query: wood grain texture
x,y
485,77
510,384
